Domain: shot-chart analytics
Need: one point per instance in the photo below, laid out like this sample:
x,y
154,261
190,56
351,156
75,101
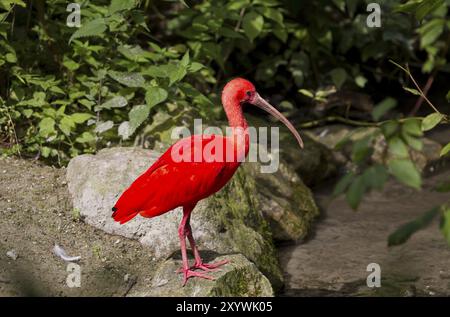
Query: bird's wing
x,y
169,183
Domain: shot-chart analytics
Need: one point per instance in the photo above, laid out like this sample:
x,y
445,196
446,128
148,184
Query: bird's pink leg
x,y
182,232
198,260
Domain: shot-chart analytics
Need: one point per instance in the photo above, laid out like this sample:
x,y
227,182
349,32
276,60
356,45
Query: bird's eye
x,y
248,93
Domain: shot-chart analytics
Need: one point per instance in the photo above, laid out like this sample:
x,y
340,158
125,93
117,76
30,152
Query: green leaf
x,y
280,33
66,125
412,90
156,71
80,117
128,79
124,130
154,96
45,151
405,172
121,5
343,183
253,24
432,120
134,53
430,32
412,127
408,7
398,148
445,223
230,33
404,232
27,113
11,58
138,115
375,176
86,137
70,64
361,149
306,92
195,67
175,72
104,126
8,4
360,81
92,28
185,60
116,102
273,14
389,128
339,76
426,7
46,127
413,141
445,150
355,192
383,107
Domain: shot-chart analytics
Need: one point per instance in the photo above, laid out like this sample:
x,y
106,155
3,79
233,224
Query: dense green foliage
x,y
135,69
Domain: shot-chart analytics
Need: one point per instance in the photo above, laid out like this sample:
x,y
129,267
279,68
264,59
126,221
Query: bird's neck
x,y
234,113
236,120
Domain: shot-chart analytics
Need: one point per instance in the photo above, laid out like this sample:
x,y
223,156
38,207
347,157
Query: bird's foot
x,y
188,273
209,266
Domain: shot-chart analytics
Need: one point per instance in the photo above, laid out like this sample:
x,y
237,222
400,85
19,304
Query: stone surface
x,y
240,277
286,202
229,221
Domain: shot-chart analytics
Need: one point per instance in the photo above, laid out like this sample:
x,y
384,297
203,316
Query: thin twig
x,y
14,131
407,71
319,122
315,123
426,88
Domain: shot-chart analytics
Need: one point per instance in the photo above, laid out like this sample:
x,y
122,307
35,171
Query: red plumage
x,y
168,184
171,182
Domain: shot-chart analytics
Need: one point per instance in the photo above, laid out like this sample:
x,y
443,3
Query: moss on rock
x,y
239,277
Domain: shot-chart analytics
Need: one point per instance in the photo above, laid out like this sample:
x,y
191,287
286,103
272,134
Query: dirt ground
x,y
334,260
36,213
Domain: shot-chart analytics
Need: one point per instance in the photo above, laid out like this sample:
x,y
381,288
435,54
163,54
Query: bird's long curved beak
x,y
263,104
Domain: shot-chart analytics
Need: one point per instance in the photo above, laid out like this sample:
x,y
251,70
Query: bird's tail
x,y
122,215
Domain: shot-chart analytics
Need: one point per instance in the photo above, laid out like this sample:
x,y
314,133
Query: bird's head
x,y
241,91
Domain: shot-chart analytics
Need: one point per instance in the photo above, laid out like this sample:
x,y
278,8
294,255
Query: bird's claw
x,y
188,273
209,266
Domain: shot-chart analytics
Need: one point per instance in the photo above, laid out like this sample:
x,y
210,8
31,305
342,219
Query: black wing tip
x,y
114,209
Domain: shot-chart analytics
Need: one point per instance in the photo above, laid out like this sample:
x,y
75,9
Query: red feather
x,y
168,184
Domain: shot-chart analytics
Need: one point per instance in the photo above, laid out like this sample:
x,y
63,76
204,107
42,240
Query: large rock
x,y
286,202
239,277
230,221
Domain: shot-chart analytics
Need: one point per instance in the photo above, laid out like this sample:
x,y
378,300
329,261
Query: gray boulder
x,y
240,278
286,202
230,221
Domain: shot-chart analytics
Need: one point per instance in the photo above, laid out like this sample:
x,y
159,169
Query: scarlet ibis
x,y
170,183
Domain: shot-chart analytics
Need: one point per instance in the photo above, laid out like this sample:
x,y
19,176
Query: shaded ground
x,y
35,213
333,261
